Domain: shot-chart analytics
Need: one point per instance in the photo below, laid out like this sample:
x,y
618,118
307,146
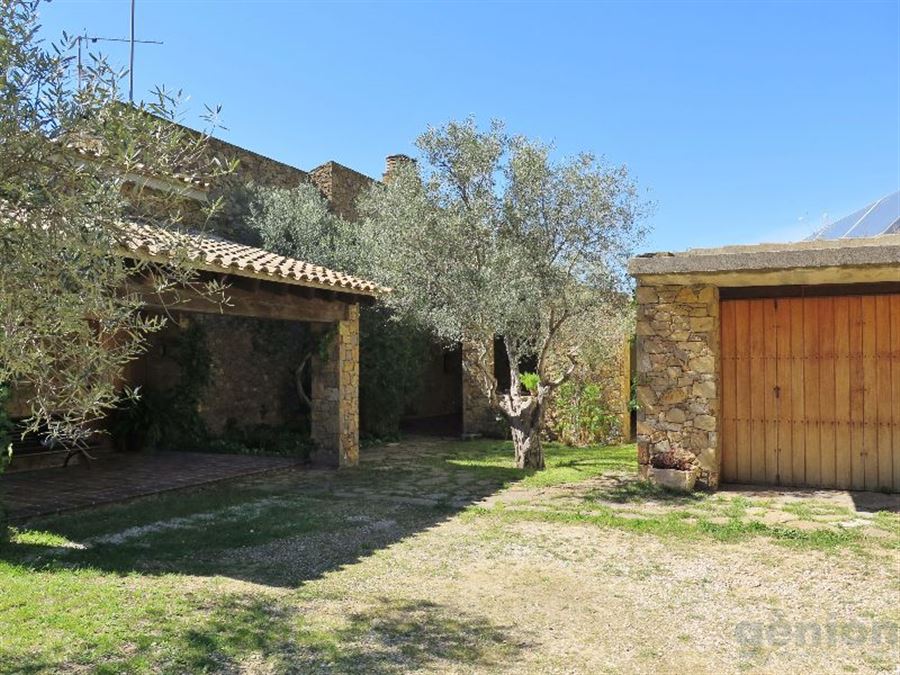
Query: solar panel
x,y
879,217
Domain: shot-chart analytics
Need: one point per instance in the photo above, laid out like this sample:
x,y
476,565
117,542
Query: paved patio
x,y
119,477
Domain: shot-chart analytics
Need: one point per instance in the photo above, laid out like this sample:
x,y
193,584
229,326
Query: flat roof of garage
x,y
861,252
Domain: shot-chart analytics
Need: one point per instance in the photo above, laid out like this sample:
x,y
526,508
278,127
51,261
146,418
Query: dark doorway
x,y
437,409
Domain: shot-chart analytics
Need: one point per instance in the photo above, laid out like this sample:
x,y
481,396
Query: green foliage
x,y
69,326
183,425
491,236
632,398
488,234
298,222
581,416
137,421
263,440
390,370
170,418
530,381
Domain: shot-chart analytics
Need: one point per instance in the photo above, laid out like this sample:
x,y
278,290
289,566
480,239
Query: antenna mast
x,y
131,43
131,59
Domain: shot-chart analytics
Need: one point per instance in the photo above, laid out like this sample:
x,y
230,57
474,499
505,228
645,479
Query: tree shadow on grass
x,y
279,530
249,633
626,489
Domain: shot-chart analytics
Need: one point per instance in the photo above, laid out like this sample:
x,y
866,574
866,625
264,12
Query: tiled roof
x,y
92,150
213,253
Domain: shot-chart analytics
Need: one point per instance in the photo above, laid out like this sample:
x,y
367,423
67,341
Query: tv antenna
x,y
131,40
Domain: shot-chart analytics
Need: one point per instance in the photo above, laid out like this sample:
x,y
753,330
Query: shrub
x,y
262,440
390,370
169,418
530,381
580,415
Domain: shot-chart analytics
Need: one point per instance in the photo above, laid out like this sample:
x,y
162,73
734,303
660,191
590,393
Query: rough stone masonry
x,y
335,394
678,376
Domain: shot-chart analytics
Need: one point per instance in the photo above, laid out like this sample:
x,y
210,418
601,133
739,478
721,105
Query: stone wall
x,y
477,416
253,167
678,376
251,371
335,394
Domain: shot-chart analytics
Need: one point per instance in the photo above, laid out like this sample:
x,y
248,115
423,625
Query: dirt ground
x,y
418,562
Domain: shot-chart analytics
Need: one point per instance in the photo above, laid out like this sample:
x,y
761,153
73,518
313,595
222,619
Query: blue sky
x,y
744,121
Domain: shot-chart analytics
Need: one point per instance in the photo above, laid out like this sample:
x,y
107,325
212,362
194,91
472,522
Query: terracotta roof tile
x,y
214,253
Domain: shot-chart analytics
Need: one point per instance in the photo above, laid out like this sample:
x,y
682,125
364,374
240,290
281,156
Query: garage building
x,y
772,364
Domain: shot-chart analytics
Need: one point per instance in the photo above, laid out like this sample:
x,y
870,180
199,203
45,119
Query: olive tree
x,y
76,165
487,235
298,222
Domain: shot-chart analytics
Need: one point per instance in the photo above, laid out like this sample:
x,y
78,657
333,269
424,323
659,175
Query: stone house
x,y
772,364
451,403
262,287
253,346
451,400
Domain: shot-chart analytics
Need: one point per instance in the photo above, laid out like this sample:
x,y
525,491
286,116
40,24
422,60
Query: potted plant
x,y
673,469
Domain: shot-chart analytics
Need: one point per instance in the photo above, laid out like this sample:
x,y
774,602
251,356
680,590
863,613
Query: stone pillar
x,y
477,416
335,394
678,378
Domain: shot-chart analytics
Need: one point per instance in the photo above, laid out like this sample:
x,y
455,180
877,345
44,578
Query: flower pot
x,y
674,479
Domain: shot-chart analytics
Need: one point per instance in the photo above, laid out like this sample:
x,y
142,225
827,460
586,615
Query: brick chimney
x,y
394,162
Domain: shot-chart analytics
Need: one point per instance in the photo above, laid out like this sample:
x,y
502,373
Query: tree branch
x,y
573,364
298,381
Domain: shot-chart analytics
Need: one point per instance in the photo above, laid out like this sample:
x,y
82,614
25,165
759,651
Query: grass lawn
x,y
441,556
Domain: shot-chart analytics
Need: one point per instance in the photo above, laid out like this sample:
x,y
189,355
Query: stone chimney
x,y
394,162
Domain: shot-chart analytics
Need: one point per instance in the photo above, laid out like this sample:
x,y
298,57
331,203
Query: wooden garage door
x,y
811,391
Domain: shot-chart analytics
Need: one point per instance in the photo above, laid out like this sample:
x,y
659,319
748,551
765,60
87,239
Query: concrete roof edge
x,y
882,250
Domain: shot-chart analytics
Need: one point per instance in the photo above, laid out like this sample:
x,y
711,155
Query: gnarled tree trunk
x,y
525,416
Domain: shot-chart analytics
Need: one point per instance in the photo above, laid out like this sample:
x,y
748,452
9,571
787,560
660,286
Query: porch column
x,y
477,416
335,393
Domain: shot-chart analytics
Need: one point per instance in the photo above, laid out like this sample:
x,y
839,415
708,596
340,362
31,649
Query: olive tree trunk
x,y
525,415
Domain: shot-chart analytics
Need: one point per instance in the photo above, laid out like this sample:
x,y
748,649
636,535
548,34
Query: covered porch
x,y
258,285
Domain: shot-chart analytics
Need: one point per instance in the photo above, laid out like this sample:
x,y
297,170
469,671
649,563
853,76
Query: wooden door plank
x,y
843,463
827,460
742,388
883,391
784,375
870,393
770,410
811,390
798,394
895,391
728,364
857,394
757,449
